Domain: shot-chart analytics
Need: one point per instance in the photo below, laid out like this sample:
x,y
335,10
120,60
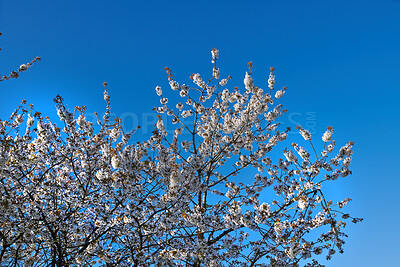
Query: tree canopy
x,y
198,194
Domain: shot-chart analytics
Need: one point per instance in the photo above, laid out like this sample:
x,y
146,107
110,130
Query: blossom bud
x,y
327,136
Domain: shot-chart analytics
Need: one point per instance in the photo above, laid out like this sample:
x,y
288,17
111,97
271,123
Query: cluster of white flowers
x,y
216,73
248,82
271,79
305,133
327,136
187,198
290,156
214,54
198,80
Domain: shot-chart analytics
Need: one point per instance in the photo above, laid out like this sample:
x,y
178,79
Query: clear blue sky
x,y
339,59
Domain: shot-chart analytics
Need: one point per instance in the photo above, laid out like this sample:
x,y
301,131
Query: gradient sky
x,y
339,59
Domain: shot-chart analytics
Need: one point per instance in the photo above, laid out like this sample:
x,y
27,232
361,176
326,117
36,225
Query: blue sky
x,y
339,59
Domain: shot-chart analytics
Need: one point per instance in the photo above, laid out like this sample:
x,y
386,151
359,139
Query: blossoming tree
x,y
197,195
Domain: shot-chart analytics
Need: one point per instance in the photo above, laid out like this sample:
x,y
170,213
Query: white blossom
x,y
327,136
216,73
248,82
23,67
305,133
81,120
271,79
302,204
290,156
30,121
174,85
279,93
115,162
223,82
214,54
158,91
